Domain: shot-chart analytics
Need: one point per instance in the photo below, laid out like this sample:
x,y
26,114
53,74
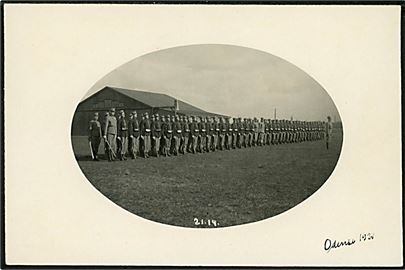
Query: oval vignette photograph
x,y
207,136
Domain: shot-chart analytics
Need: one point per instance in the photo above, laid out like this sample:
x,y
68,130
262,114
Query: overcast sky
x,y
225,79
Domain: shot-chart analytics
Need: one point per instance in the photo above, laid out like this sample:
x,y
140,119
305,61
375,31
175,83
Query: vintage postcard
x,y
202,135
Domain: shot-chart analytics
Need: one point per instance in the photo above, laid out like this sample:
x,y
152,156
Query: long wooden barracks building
x,y
129,100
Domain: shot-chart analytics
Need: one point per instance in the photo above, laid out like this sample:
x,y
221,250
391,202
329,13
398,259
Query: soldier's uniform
x,y
203,135
234,132
195,132
110,134
261,130
185,136
177,131
106,149
255,132
95,136
250,132
122,135
239,135
146,128
210,132
267,132
156,135
134,133
222,133
328,132
215,135
164,138
168,135
245,127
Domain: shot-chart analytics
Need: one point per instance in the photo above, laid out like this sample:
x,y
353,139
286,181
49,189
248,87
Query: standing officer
x,y
95,136
156,135
146,127
134,133
122,135
110,134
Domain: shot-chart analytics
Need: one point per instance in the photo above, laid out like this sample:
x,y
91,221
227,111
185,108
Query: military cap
x,y
146,113
107,113
121,111
112,110
96,114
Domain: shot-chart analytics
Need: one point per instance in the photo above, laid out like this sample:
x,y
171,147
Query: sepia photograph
x,y
202,135
207,135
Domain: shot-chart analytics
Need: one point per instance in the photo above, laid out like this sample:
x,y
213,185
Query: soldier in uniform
x,y
245,127
228,134
328,132
95,136
122,135
163,141
267,132
134,133
261,130
222,133
234,132
185,135
215,134
239,133
177,135
203,135
146,127
156,135
195,132
152,141
251,132
110,134
168,135
102,130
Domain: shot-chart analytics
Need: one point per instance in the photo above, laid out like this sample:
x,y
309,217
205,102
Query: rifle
x,y
109,147
91,150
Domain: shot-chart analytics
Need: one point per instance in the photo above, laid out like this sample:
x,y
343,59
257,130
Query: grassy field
x,y
231,187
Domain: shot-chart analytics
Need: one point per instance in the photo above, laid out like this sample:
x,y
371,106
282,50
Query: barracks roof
x,y
157,100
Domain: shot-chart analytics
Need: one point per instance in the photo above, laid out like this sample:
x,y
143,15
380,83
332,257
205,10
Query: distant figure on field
x,y
328,132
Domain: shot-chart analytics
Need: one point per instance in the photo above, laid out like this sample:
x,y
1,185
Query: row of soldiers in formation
x,y
172,135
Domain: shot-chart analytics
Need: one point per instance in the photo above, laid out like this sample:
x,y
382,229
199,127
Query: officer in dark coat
x,y
95,135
